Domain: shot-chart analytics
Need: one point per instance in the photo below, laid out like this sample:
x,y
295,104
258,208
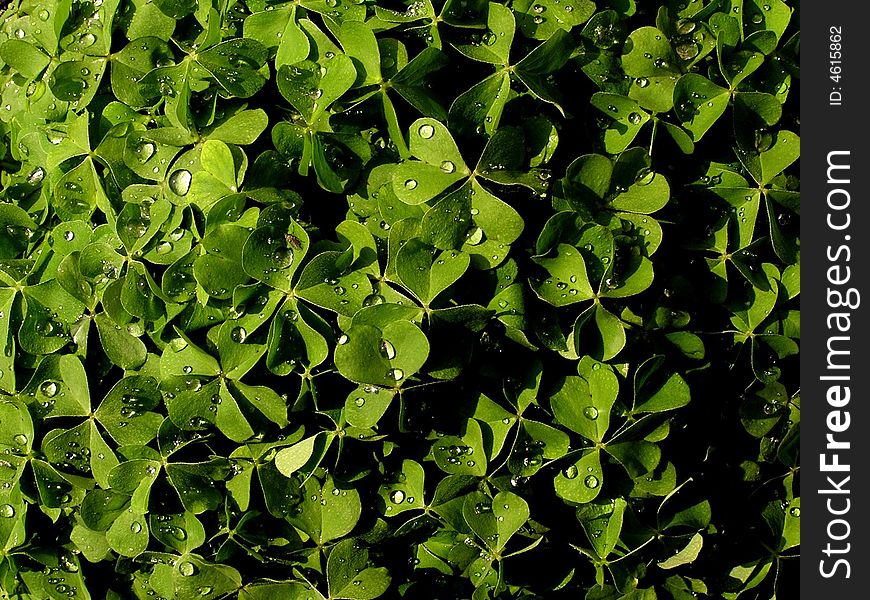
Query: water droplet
x,y
447,166
410,184
179,182
395,374
187,369
36,176
570,472
397,497
145,151
48,388
795,511
360,402
426,131
43,15
474,236
187,569
590,412
238,335
342,339
20,439
205,590
87,39
634,118
373,299
7,511
135,527
387,350
687,51
591,482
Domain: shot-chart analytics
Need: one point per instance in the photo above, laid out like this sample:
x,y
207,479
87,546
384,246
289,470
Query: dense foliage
x,y
359,299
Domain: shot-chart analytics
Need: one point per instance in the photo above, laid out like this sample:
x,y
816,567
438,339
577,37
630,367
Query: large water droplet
x,y
591,482
447,166
426,131
179,182
238,334
187,568
397,497
570,472
387,350
373,299
7,511
87,39
590,412
49,388
395,374
20,439
687,51
145,151
410,184
135,527
474,236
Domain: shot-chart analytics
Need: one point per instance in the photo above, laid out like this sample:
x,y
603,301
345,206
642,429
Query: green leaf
x,y
568,282
325,515
462,454
349,575
384,357
405,490
685,556
23,57
584,404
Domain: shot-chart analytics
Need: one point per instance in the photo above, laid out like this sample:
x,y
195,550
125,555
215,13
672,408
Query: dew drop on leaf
x,y
179,182
145,151
426,131
388,351
591,482
48,388
87,39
